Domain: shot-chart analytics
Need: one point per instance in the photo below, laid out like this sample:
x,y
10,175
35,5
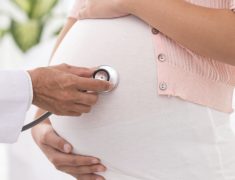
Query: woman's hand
x,y
91,9
58,151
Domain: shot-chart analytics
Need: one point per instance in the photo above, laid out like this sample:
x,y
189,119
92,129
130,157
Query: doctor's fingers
x,y
85,98
77,109
80,104
79,71
80,109
94,85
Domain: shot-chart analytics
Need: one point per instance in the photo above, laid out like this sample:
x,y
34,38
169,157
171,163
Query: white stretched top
x,y
136,133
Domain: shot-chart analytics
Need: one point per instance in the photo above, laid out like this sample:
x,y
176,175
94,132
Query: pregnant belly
x,y
133,130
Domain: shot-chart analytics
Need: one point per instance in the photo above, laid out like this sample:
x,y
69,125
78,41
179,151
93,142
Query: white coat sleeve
x,y
16,96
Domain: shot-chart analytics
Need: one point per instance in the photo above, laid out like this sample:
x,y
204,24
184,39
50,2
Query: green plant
x,y
28,33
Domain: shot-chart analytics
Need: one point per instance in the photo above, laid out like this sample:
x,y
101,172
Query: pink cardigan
x,y
187,75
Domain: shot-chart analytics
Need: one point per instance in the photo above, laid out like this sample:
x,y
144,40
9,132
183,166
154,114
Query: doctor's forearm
x,y
208,32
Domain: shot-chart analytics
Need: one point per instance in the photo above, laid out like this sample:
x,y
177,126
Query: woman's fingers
x,y
53,141
58,143
101,9
89,177
80,167
61,159
81,170
58,151
83,13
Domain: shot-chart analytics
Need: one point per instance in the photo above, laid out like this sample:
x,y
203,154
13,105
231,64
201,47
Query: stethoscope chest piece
x,y
107,73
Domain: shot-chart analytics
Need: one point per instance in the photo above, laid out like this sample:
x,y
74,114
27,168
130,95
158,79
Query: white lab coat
x,y
15,99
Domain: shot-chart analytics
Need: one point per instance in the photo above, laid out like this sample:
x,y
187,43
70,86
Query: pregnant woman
x,y
169,117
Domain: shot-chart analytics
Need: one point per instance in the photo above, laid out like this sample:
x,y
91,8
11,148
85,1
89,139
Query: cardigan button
x,y
162,57
163,86
155,31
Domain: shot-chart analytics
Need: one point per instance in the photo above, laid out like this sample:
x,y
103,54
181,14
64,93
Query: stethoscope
x,y
104,73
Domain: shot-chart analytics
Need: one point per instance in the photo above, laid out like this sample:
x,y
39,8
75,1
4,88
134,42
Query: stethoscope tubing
x,y
37,121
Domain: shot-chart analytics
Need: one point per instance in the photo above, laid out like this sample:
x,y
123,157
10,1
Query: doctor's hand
x,y
61,89
58,151
90,9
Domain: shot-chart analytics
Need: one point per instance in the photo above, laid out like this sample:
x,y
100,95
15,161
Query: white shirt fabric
x,y
15,99
137,134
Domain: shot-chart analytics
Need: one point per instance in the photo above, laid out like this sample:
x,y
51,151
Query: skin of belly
x,y
128,129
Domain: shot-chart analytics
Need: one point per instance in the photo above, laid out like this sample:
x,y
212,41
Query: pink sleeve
x,y
232,6
74,12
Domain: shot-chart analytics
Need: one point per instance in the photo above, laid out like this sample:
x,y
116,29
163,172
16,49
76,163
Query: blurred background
x,y
28,30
